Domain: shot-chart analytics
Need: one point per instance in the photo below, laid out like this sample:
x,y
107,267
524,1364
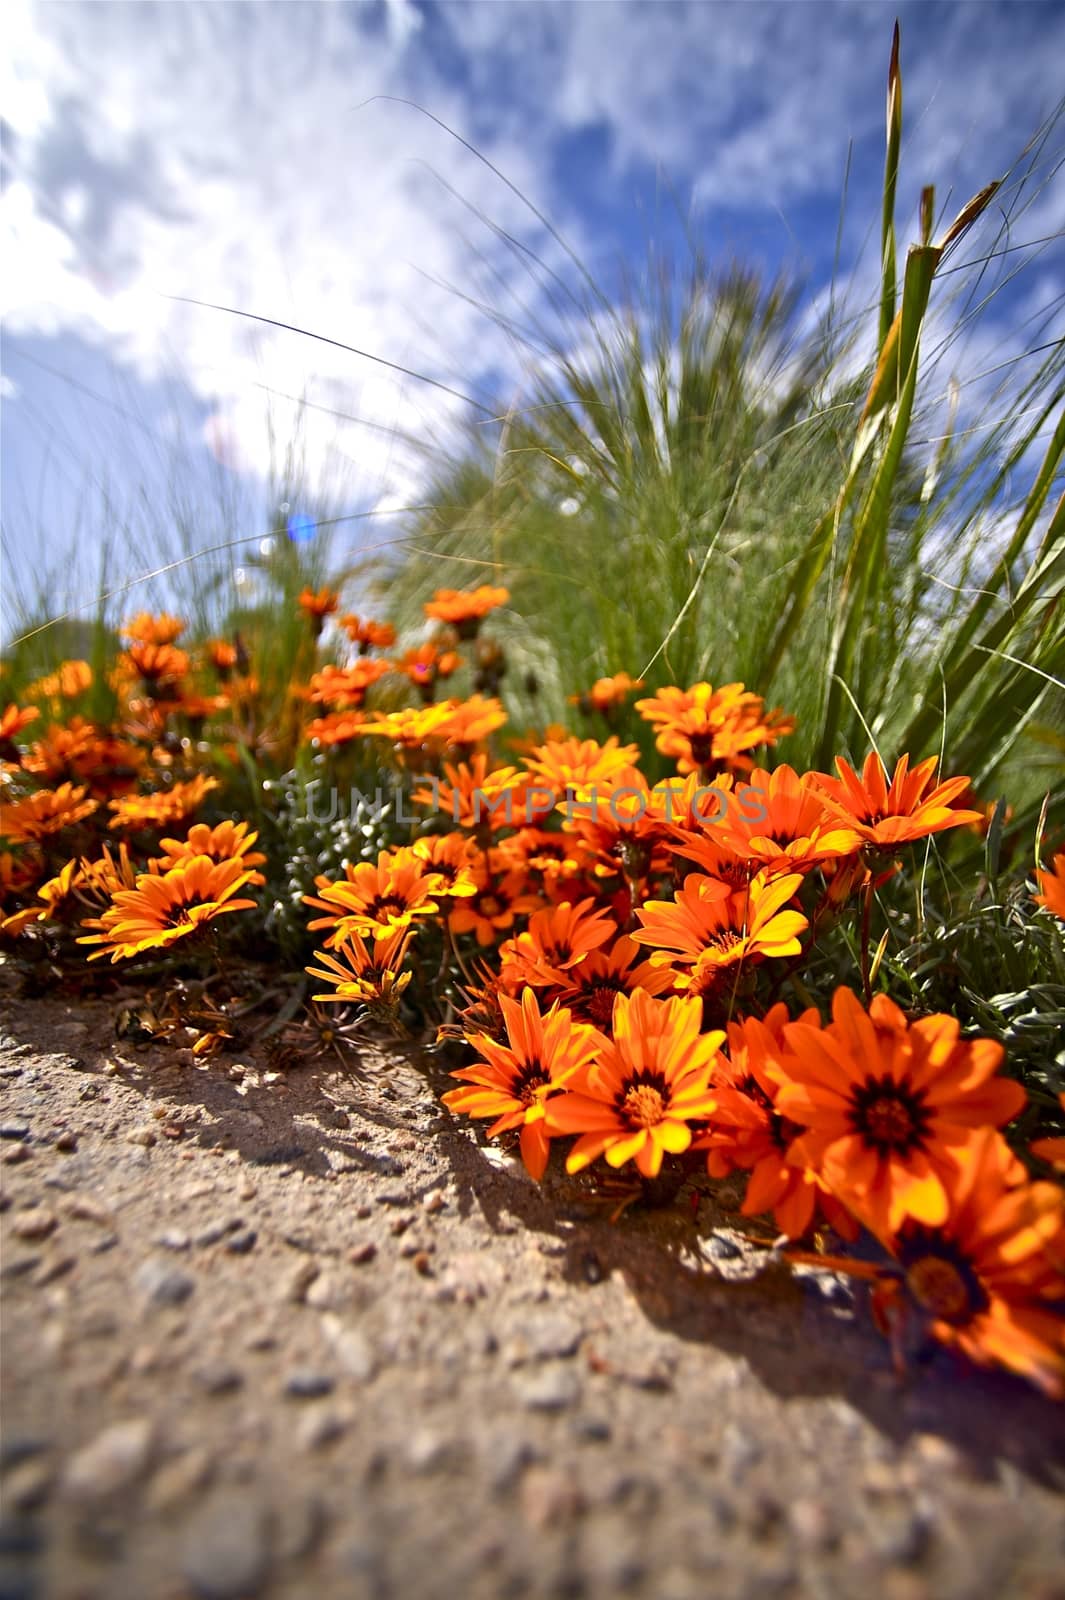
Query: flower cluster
x,y
624,936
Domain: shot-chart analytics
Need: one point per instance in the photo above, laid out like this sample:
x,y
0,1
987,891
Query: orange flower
x,y
411,730
449,859
470,722
318,606
886,816
650,1083
710,929
476,795
222,656
374,900
339,727
606,694
501,896
161,909
556,940
890,1107
618,822
80,752
40,815
748,1131
228,841
12,723
159,810
427,664
148,629
572,766
1052,887
988,1280
1052,1150
775,820
550,856
711,730
159,666
368,635
346,686
463,609
517,1080
367,975
594,984
70,679
101,879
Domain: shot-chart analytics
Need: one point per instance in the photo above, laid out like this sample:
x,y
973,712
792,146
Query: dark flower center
x,y
890,1115
940,1278
531,1077
643,1099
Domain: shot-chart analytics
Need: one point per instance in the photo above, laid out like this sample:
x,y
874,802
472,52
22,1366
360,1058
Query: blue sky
x,y
242,154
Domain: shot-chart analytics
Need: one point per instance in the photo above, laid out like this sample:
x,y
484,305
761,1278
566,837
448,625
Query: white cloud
x,y
227,153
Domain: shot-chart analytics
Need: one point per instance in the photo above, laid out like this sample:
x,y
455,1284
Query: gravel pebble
x,y
111,1462
548,1388
163,1284
226,1549
218,1377
307,1384
242,1242
34,1223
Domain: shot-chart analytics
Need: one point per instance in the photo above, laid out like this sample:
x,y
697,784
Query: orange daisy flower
x,y
370,975
1052,887
649,1084
70,679
159,810
79,752
549,856
890,1106
148,629
223,656
426,665
159,666
619,823
339,727
501,896
346,686
12,723
594,984
572,766
465,610
375,900
749,1133
710,929
886,815
477,795
776,820
412,730
316,607
710,730
368,635
557,939
470,722
227,841
40,815
101,879
163,908
988,1279
606,694
450,860
516,1081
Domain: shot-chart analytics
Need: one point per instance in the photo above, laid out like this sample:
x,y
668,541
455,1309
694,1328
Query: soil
x,y
302,1333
